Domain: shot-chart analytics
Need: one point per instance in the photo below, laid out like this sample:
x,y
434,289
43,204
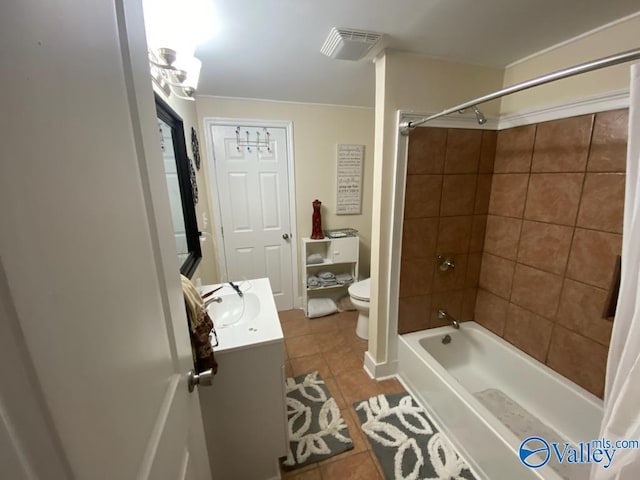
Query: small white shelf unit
x,y
340,255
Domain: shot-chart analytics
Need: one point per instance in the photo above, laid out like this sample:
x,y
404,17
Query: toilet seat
x,y
361,290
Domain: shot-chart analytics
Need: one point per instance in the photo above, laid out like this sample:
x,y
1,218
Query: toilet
x,y
360,292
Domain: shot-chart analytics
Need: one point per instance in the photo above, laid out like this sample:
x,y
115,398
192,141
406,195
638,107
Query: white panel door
x,y
89,279
253,193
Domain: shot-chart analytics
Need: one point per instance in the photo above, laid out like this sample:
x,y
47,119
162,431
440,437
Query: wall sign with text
x,y
349,179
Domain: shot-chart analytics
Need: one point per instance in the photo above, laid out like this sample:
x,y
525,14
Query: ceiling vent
x,y
347,44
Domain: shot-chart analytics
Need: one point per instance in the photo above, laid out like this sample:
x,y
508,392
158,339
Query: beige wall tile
x,y
581,309
474,263
416,276
419,236
463,150
514,149
562,145
508,194
458,195
602,202
593,257
413,313
478,229
454,234
483,194
502,236
554,197
609,143
468,304
536,290
496,275
426,150
529,332
545,246
491,311
422,196
579,359
488,151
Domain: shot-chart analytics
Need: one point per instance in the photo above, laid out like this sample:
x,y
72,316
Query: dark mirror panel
x,y
178,174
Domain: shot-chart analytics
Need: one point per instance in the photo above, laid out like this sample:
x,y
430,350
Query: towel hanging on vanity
x,y
200,326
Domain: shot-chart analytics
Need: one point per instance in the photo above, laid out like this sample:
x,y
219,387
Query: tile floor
x,y
330,345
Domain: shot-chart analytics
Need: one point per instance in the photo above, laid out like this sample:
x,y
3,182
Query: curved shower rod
x,y
406,126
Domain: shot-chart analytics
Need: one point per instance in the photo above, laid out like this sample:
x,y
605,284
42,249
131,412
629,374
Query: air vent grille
x,y
348,44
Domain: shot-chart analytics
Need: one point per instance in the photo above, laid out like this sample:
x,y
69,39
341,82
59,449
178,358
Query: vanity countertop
x,y
243,322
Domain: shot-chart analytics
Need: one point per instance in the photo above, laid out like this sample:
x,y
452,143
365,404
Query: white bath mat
x,y
523,424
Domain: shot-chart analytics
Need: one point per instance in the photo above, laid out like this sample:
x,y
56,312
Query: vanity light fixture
x,y
174,74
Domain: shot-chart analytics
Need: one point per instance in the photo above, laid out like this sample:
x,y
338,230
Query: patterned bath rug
x,y
406,442
316,427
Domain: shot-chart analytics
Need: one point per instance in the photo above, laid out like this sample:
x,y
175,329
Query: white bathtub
x,y
444,378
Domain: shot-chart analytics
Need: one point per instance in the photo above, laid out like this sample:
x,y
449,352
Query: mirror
x,y
178,174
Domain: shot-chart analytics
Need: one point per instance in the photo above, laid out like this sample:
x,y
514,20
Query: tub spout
x,y
443,315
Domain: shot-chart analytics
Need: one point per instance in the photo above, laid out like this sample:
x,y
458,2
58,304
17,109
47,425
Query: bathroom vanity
x,y
244,410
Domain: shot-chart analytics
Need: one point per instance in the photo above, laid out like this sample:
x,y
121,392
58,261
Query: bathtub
x,y
445,377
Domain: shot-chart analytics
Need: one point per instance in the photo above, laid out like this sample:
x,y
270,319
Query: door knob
x,y
285,236
204,379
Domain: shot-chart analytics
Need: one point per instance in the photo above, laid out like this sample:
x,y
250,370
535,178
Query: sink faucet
x,y
443,315
211,300
236,288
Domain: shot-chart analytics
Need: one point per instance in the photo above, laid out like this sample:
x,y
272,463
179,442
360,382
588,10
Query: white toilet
x,y
360,293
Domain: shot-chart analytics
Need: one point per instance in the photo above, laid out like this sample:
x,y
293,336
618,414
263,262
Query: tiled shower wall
x,y
553,231
446,204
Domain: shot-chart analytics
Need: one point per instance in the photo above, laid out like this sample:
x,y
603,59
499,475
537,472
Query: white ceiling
x,y
270,49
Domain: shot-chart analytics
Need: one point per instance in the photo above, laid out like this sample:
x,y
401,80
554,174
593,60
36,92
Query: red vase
x,y
316,221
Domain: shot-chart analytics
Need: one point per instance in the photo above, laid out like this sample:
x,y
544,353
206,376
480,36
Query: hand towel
x,y
326,275
314,258
313,281
200,326
344,278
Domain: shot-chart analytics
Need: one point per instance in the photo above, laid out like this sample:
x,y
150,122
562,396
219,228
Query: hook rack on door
x,y
261,140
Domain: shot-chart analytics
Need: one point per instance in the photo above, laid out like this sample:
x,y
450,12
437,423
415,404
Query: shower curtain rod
x,y
406,126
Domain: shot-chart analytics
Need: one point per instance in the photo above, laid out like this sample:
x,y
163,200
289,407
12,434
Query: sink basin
x,y
242,322
234,309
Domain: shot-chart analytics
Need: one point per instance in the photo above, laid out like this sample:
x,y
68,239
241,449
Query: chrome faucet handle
x,y
211,300
442,315
446,263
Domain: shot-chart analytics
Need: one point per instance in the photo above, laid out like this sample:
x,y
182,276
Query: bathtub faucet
x,y
443,315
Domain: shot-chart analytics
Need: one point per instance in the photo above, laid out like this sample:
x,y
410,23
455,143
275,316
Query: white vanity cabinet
x,y
244,410
339,255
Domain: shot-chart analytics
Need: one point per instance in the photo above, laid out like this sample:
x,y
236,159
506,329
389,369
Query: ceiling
x,y
270,49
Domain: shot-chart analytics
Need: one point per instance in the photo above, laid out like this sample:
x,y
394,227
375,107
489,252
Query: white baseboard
x,y
379,371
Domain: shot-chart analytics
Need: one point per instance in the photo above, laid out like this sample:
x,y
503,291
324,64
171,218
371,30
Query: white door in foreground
x,y
89,272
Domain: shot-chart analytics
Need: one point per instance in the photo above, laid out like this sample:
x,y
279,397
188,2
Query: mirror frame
x,y
171,118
